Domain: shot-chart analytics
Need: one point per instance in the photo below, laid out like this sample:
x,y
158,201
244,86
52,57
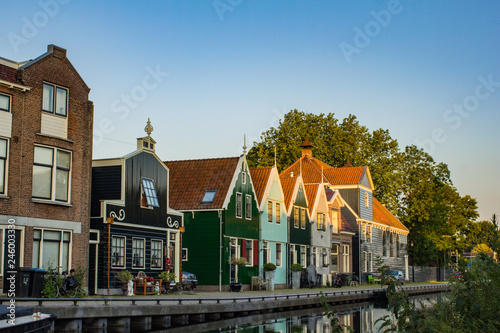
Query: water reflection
x,y
361,317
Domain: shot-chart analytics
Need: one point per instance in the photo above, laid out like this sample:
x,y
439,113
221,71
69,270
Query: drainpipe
x,y
220,250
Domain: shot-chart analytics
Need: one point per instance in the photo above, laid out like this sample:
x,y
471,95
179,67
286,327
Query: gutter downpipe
x,y
220,250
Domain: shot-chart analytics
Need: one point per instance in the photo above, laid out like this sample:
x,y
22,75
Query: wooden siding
x,y
201,238
136,167
106,185
365,212
5,124
54,125
351,196
299,235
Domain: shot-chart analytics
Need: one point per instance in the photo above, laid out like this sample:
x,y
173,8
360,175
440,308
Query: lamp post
x,y
181,229
110,221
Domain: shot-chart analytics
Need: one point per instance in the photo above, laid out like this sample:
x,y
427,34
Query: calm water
x,y
361,317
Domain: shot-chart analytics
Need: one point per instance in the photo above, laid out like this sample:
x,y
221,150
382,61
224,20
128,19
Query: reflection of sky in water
x,y
361,317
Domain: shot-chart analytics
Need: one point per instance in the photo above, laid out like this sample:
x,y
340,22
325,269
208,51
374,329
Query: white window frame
x,y
335,253
248,207
239,205
243,177
55,87
134,248
149,195
294,254
249,257
369,233
314,256
53,173
4,179
157,241
321,221
9,107
270,211
335,221
184,257
115,246
303,256
345,259
278,213
302,218
367,200
266,253
325,257
296,217
59,262
364,257
279,254
370,262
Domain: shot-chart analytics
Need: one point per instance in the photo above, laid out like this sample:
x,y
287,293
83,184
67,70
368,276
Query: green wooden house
x,y
221,219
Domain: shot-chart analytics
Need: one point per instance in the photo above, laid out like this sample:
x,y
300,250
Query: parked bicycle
x,y
65,284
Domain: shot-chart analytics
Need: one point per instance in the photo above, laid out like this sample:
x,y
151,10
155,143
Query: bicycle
x,y
65,285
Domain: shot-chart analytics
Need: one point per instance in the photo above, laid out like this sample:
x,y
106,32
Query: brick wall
x,y
54,68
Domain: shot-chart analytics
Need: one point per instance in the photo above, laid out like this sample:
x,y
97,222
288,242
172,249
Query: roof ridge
x,y
203,159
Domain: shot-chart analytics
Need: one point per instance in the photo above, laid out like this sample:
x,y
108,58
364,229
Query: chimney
x,y
307,147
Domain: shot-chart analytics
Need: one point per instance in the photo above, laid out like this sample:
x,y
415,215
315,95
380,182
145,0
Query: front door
x,y
233,253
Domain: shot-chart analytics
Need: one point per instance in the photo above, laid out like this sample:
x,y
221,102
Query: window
x,y
4,103
3,166
334,255
398,247
370,262
148,197
391,237
324,258
49,182
293,253
303,218
138,252
335,221
314,257
364,259
363,231
248,207
369,233
249,251
295,217
209,196
367,202
265,253
51,248
321,221
239,203
184,254
278,254
55,99
156,254
278,213
303,256
269,212
384,243
118,252
243,177
345,256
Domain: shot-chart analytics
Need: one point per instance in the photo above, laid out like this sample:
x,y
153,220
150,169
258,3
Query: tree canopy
x,y
408,182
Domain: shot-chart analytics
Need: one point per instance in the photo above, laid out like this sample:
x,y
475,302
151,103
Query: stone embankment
x,y
138,313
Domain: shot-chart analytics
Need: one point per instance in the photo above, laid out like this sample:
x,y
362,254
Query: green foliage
x,y
481,248
383,271
296,268
124,276
336,326
470,306
51,283
409,183
269,266
240,261
166,276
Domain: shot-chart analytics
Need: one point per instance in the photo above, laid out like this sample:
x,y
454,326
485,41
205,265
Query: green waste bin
x,y
22,281
37,276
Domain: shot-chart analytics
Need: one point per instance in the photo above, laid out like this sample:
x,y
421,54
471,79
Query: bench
x,y
257,281
372,280
144,287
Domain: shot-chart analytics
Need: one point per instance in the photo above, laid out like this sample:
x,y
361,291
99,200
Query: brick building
x,y
46,122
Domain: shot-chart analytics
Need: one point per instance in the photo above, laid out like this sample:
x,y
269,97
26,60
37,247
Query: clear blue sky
x,y
429,72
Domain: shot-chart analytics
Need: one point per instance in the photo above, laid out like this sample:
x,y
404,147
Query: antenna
x,y
244,144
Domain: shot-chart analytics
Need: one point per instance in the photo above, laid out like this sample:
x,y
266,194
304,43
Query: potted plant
x,y
269,271
166,277
241,261
124,277
297,270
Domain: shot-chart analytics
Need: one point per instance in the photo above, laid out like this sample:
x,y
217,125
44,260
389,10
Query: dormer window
x,y
148,195
209,196
55,99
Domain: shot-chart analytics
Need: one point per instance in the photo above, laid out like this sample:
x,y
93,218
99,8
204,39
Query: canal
x,y
360,317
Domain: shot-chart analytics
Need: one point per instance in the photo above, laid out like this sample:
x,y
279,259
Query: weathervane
x,y
149,128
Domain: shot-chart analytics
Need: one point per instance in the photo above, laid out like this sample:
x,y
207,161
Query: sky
x,y
209,72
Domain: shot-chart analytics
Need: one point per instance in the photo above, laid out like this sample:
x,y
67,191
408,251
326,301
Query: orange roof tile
x,y
260,177
190,179
311,192
384,216
287,185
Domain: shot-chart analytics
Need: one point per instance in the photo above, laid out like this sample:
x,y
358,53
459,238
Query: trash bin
x,y
22,281
345,279
37,276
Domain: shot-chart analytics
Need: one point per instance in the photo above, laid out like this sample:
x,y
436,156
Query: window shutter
x,y
244,248
256,253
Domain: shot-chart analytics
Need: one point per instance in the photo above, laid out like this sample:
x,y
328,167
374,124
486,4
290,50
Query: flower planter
x,y
270,278
124,288
235,287
296,279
